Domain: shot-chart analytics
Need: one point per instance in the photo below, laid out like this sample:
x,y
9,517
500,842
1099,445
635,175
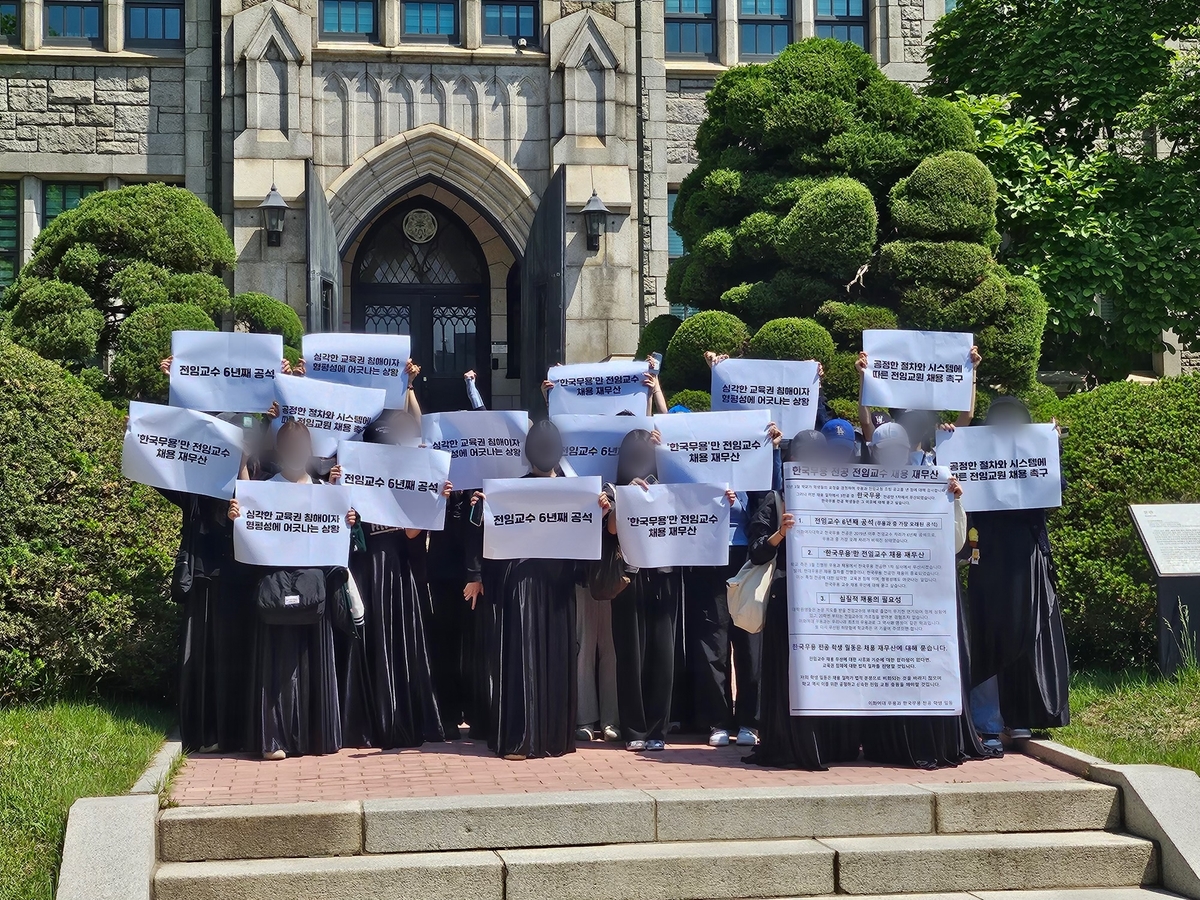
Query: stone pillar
x,y
727,32
471,24
114,26
31,24
804,14
31,216
389,23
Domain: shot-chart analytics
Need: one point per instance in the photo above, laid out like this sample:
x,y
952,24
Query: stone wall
x,y
95,110
685,112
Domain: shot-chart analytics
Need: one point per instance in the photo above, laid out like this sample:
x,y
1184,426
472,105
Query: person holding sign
x,y
534,648
787,741
386,679
1017,633
294,689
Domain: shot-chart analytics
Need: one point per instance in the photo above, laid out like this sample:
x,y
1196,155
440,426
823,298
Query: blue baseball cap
x,y
838,430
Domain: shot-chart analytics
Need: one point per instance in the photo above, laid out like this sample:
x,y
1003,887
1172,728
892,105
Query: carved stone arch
x,y
496,115
377,93
272,44
335,111
432,153
589,51
465,108
402,97
429,98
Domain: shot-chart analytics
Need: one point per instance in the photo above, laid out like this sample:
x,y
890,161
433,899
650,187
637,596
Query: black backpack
x,y
292,597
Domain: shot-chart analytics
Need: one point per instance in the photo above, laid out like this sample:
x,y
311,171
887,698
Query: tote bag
x,y
747,591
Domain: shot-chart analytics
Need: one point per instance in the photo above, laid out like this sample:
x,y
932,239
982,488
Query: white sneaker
x,y
718,738
611,734
747,738
275,755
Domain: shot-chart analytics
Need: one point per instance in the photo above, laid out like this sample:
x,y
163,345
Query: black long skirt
x,y
930,742
214,665
787,741
1017,629
644,617
385,678
294,694
534,652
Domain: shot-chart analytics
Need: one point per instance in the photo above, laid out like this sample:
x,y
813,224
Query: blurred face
x,y
292,453
637,459
921,426
840,451
891,454
405,432
543,449
1007,415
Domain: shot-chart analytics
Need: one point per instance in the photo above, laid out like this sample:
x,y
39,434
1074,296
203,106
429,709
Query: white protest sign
x,y
1003,466
872,609
918,369
400,487
332,412
181,450
673,525
482,444
361,360
590,443
725,448
789,389
224,371
557,518
286,525
600,389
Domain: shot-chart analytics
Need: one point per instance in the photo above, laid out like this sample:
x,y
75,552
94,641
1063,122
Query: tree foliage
x,y
1066,103
121,252
805,164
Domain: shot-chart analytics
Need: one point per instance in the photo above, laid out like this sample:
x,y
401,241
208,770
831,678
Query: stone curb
x,y
155,776
109,852
1061,756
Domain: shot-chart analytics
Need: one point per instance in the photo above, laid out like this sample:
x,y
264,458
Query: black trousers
x,y
710,635
450,639
643,623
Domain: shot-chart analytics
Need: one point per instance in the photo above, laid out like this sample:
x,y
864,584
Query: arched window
x,y
400,251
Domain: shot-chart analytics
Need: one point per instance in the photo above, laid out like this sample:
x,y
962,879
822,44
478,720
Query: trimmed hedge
x,y
799,339
85,556
56,319
831,229
841,381
951,196
847,321
953,263
1128,443
657,334
696,401
684,365
145,340
262,314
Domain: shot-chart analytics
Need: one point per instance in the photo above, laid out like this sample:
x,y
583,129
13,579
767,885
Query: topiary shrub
x,y
695,401
657,334
799,339
754,239
845,409
200,289
1128,443
830,230
841,379
684,365
85,556
145,340
57,320
951,196
847,321
262,314
954,263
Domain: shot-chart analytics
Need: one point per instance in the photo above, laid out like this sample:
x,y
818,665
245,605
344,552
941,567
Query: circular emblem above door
x,y
420,226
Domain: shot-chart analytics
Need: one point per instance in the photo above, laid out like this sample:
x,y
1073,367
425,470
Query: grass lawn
x,y
1133,717
49,756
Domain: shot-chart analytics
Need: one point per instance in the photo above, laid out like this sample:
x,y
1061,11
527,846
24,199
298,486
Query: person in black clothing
x,y
1016,623
787,741
533,650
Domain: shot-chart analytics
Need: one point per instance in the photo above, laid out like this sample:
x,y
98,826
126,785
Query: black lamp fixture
x,y
273,209
595,220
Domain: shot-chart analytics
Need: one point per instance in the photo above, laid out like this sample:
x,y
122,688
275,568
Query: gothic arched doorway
x,y
419,271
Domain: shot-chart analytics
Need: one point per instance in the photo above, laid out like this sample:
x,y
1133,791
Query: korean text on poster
x,y
673,525
542,517
181,450
291,525
788,389
361,360
590,443
725,448
600,389
224,371
482,444
400,487
331,412
872,608
1004,467
918,369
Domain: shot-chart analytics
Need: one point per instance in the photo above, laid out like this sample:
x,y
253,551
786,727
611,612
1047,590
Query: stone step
x,y
992,862
584,818
1118,893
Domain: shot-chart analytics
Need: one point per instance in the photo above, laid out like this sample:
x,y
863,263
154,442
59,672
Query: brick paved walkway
x,y
467,767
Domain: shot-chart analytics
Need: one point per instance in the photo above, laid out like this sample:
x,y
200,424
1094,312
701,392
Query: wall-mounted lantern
x,y
273,209
595,220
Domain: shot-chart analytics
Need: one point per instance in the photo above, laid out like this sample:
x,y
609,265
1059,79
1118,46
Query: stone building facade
x,y
435,155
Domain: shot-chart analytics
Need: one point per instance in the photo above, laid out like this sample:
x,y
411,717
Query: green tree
x,y
121,252
1066,103
805,163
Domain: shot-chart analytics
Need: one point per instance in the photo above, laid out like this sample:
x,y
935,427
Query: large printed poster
x,y
872,612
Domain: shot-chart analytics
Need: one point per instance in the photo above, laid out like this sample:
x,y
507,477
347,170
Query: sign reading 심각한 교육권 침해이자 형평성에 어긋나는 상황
x,y
872,605
482,444
360,360
789,389
286,525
